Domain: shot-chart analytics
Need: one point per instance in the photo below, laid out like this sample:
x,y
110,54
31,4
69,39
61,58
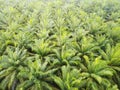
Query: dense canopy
x,y
59,45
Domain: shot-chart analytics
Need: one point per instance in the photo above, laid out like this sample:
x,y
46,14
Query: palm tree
x,y
65,55
111,55
97,75
38,76
42,47
69,79
11,63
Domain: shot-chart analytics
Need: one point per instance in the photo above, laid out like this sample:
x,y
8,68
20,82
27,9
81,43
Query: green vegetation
x,y
59,45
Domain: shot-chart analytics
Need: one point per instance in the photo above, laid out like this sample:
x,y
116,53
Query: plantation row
x,y
59,45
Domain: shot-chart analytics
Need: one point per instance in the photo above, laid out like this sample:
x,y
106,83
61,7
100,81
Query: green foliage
x,y
59,45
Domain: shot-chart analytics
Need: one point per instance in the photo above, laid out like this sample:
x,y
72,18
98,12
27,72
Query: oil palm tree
x,y
97,75
65,55
69,78
38,75
42,47
11,63
111,55
85,46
